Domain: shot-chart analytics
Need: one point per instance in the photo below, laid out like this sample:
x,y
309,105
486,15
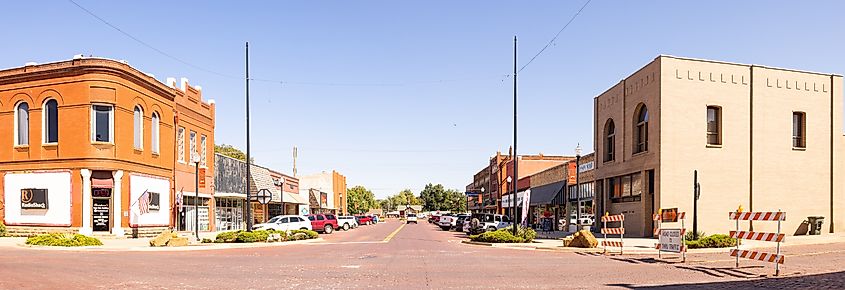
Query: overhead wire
x,y
556,35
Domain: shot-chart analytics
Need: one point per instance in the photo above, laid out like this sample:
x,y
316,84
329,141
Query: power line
x,y
282,82
556,35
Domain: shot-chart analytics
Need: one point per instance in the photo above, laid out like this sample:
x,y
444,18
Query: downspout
x,y
751,144
174,211
831,153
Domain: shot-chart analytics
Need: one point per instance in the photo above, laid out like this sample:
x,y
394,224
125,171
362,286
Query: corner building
x,y
82,140
763,138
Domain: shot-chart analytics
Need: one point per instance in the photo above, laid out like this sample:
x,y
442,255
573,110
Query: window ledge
x,y
50,145
138,150
639,153
799,148
102,144
714,145
156,154
181,161
21,147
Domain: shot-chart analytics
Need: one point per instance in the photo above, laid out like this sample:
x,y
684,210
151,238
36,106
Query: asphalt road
x,y
396,256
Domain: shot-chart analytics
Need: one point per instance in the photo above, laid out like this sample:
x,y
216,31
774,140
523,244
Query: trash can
x,y
815,224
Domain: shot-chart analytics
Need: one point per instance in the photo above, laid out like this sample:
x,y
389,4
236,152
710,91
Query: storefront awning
x,y
294,198
546,194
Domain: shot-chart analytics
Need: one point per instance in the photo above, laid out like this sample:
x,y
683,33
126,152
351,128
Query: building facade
x,y
325,191
83,141
763,138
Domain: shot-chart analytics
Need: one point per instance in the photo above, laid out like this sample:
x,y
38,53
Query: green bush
x,y
713,241
2,229
227,237
206,241
505,235
63,240
527,234
689,235
252,237
309,233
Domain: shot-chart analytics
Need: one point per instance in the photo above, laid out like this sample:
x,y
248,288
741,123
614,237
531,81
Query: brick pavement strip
x,y
417,257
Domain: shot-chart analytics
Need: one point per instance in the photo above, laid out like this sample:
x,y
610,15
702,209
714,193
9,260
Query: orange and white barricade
x,y
613,231
676,234
778,237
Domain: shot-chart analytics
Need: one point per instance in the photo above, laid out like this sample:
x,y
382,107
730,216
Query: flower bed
x,y
505,235
261,236
63,240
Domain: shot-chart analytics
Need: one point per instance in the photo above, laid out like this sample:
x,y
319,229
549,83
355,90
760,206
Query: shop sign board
x,y
32,198
263,196
670,240
202,177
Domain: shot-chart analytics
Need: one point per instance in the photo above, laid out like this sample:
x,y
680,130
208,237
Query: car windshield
x,y
412,215
275,219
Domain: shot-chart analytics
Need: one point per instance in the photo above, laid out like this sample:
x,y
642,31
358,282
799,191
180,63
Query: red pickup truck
x,y
364,220
325,223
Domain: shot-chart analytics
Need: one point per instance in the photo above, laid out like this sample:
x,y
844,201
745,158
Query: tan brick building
x,y
761,137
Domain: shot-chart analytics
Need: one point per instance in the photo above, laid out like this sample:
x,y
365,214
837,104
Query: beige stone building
x,y
763,138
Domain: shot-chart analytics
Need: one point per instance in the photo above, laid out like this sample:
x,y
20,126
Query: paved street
x,y
393,256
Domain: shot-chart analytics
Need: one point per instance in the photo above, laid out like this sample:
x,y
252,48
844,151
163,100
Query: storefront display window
x,y
229,214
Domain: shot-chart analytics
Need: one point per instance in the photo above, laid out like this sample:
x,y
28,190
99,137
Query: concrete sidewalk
x,y
647,245
143,244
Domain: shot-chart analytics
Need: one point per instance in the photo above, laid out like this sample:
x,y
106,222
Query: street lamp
x,y
282,194
195,158
578,186
513,204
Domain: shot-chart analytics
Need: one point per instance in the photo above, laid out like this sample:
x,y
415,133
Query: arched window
x,y
609,140
51,122
641,130
139,127
22,124
154,133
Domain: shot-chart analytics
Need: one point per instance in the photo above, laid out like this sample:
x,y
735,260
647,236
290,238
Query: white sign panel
x,y
670,240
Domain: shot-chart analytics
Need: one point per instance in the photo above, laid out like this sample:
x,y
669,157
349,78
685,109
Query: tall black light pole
x,y
696,192
578,187
515,155
196,196
248,171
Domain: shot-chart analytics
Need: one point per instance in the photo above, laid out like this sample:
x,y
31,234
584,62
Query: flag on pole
x,y
144,202
179,199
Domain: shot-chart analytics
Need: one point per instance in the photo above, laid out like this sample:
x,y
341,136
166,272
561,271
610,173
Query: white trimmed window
x,y
139,127
203,151
193,146
154,133
22,124
181,144
50,124
102,123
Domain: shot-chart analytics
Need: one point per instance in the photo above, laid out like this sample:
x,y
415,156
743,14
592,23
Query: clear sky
x,y
397,94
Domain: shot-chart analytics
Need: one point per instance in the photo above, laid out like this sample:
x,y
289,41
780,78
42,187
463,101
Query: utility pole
x,y
515,155
248,171
696,191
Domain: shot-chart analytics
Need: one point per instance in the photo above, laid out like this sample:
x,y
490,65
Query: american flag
x,y
179,198
144,202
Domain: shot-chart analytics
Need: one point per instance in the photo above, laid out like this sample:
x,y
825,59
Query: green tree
x,y
231,151
435,197
360,200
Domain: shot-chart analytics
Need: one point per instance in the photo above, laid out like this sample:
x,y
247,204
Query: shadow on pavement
x,y
833,280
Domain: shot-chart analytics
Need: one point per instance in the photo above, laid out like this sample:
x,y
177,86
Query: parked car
x,y
411,218
325,223
364,220
284,223
347,222
485,222
447,222
461,220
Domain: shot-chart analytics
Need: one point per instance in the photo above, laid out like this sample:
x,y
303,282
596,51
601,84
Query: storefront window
x,y
229,214
625,188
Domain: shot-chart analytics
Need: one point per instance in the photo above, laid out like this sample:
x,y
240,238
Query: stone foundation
x,y
27,231
150,232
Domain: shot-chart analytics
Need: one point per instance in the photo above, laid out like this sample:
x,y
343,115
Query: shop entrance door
x,y
102,214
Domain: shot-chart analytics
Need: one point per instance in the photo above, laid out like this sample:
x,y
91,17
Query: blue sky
x,y
397,94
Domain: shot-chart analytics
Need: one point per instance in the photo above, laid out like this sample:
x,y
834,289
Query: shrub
x,y
527,234
308,233
713,241
63,240
252,237
227,237
500,236
689,235
206,241
2,229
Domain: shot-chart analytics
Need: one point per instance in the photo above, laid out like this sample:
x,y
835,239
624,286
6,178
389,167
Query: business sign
x,y
670,240
101,192
263,196
324,199
570,170
32,198
202,177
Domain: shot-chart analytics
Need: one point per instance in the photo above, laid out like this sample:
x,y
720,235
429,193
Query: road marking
x,y
390,236
351,266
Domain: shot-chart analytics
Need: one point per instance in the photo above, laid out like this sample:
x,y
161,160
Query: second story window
x,y
714,125
22,124
799,128
51,122
203,151
180,140
154,132
102,123
609,140
193,147
641,130
139,127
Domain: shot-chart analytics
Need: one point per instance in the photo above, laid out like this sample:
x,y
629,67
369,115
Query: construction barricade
x,y
778,237
613,231
670,240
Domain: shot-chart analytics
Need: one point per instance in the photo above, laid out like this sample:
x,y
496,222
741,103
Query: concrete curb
x,y
194,247
589,250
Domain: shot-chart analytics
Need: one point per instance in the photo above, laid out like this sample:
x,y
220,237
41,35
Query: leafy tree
x,y
435,197
233,152
360,200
